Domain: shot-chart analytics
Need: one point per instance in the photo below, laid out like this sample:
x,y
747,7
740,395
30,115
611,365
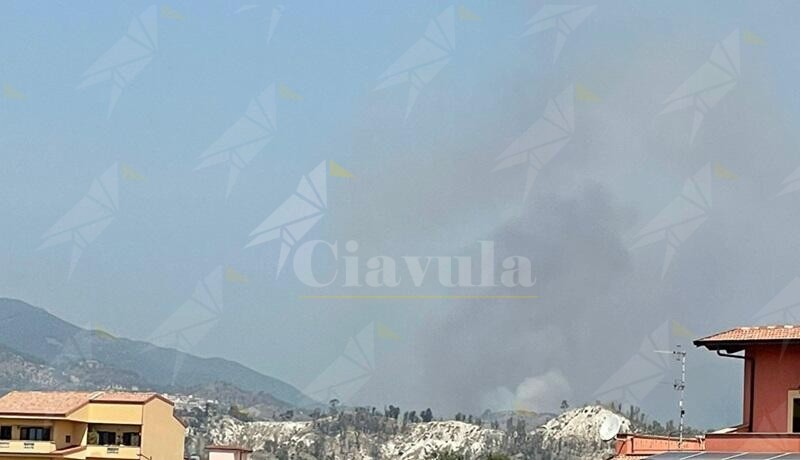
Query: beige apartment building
x,y
89,425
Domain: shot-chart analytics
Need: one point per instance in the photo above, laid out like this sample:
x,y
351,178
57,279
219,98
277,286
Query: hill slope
x,y
370,435
575,434
33,333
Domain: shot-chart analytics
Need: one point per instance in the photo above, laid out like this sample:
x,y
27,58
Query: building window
x,y
131,439
795,415
68,439
793,412
34,433
5,433
106,438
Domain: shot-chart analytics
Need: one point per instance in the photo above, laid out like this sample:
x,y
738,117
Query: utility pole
x,y
679,386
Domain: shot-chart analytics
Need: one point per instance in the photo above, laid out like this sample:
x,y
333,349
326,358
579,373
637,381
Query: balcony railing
x,y
17,446
122,452
753,442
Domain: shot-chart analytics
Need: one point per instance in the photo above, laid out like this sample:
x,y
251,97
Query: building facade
x,y
771,381
228,453
770,425
89,425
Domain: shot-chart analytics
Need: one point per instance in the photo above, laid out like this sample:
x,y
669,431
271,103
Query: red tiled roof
x,y
125,396
741,335
782,332
42,402
64,402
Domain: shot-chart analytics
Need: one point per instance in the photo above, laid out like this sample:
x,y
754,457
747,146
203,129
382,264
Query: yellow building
x,y
36,425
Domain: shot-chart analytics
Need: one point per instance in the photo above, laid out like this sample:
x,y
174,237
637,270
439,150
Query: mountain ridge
x,y
41,337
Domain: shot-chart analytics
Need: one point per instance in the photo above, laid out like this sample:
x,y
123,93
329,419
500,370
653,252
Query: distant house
x,y
770,427
228,453
89,425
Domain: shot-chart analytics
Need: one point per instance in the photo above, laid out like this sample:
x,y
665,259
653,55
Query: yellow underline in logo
x,y
410,297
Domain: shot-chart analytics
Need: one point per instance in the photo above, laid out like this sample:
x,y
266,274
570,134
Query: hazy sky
x,y
688,103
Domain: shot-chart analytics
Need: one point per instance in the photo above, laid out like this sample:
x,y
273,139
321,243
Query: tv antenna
x,y
679,385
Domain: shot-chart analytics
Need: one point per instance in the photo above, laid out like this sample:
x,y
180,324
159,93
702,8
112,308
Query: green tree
x,y
333,403
239,414
496,456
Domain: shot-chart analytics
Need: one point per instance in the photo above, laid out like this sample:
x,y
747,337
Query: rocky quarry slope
x,y
575,434
362,436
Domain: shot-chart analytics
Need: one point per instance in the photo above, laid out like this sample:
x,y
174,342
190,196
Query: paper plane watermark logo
x,y
126,59
680,218
563,18
194,319
709,84
643,371
425,59
349,372
540,143
245,139
784,308
300,213
90,216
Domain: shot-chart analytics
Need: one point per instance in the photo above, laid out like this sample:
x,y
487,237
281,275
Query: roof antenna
x,y
679,385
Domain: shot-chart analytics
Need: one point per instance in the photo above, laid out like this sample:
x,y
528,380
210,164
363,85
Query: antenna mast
x,y
680,386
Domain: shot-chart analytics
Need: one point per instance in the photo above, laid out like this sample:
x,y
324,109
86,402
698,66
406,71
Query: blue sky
x,y
422,183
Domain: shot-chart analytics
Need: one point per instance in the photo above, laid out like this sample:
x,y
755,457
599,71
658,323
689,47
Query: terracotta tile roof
x,y
124,396
64,402
756,333
42,402
734,339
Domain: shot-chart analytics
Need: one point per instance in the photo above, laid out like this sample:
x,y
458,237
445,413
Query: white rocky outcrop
x,y
575,434
423,439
